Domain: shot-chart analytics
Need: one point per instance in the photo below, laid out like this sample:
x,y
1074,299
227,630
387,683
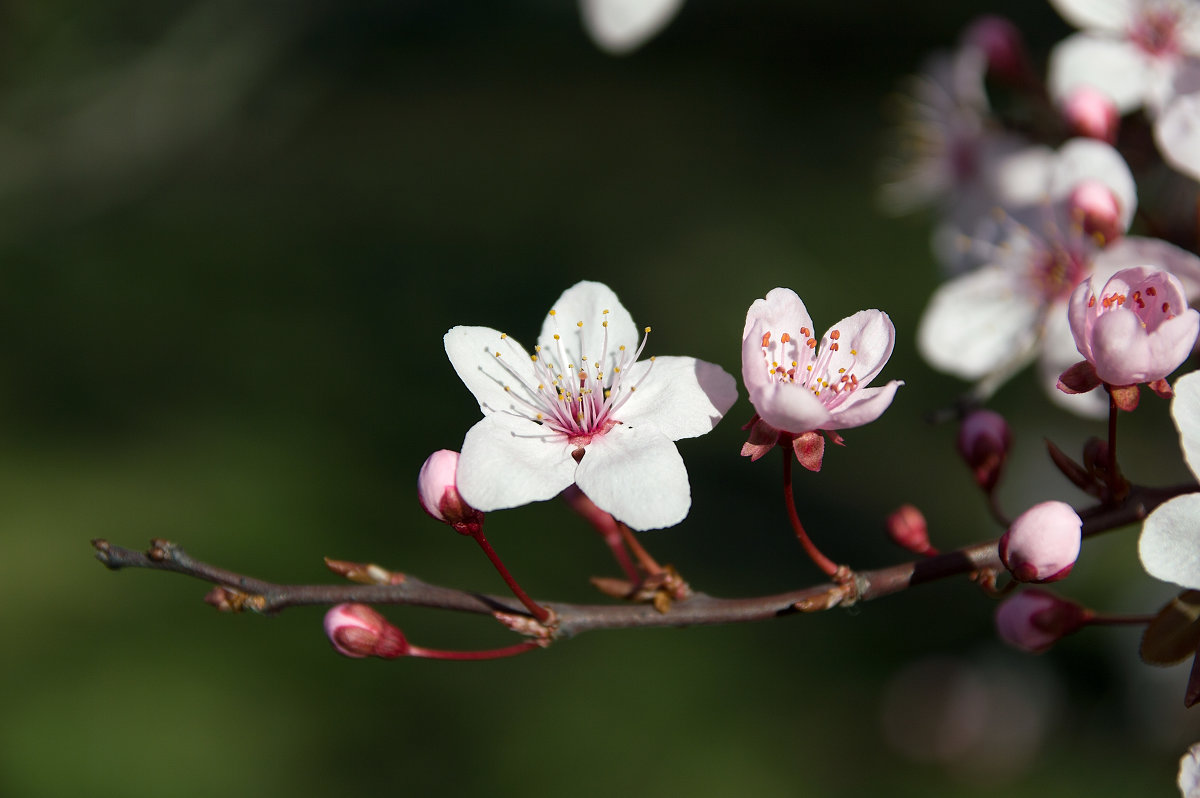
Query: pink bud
x,y
1043,543
358,631
1092,113
983,441
907,528
438,493
1002,44
1034,620
1138,329
1097,209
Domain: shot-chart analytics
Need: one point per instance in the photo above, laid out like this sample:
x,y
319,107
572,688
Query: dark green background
x,y
231,238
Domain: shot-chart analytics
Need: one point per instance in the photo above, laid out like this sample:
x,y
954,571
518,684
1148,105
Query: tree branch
x,y
238,592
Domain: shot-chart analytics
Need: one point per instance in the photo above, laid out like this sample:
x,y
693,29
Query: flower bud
x,y
1033,620
1002,44
358,631
1043,543
438,493
1092,113
1097,209
907,529
983,441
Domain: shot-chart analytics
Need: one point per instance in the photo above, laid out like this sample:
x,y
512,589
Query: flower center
x,y
802,361
1151,306
1155,31
569,391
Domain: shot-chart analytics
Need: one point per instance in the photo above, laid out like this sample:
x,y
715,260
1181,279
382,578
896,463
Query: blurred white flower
x,y
621,26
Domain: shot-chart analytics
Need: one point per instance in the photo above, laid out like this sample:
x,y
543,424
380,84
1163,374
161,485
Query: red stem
x,y
491,653
648,563
538,611
824,563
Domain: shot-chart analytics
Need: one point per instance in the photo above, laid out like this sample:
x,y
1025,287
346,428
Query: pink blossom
x,y
1033,620
1092,113
1043,543
1138,329
907,528
798,383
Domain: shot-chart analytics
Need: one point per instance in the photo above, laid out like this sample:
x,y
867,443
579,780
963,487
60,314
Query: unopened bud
x,y
983,441
1002,44
1043,543
438,493
1092,113
358,631
907,529
1034,620
1097,209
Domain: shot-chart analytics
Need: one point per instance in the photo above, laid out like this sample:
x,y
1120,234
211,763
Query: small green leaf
x,y
1174,634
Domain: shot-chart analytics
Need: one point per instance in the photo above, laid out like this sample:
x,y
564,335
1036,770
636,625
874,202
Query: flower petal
x,y
1088,159
1137,250
1058,354
1170,543
863,406
1177,133
1114,66
586,302
1185,409
979,323
507,461
472,352
864,346
790,407
620,26
1125,353
682,397
636,474
781,311
1108,15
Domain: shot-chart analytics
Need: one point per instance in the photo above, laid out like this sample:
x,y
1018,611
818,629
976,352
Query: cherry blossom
x,y
1034,620
798,384
621,26
582,409
1170,543
988,324
1132,50
1137,329
1189,773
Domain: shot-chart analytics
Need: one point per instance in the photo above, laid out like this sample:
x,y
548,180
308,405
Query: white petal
x,y
1109,15
1170,542
682,397
1185,409
586,302
1177,132
979,323
1059,352
1189,773
1113,66
1089,159
619,26
507,462
636,474
472,352
1132,251
1021,178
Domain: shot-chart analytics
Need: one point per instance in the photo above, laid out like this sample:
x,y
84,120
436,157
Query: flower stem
x,y
1097,619
824,563
648,563
490,653
1112,435
539,612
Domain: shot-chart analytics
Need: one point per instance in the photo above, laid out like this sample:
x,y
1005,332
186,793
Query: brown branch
x,y
237,591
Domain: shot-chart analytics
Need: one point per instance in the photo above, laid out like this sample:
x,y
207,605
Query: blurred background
x,y
232,236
